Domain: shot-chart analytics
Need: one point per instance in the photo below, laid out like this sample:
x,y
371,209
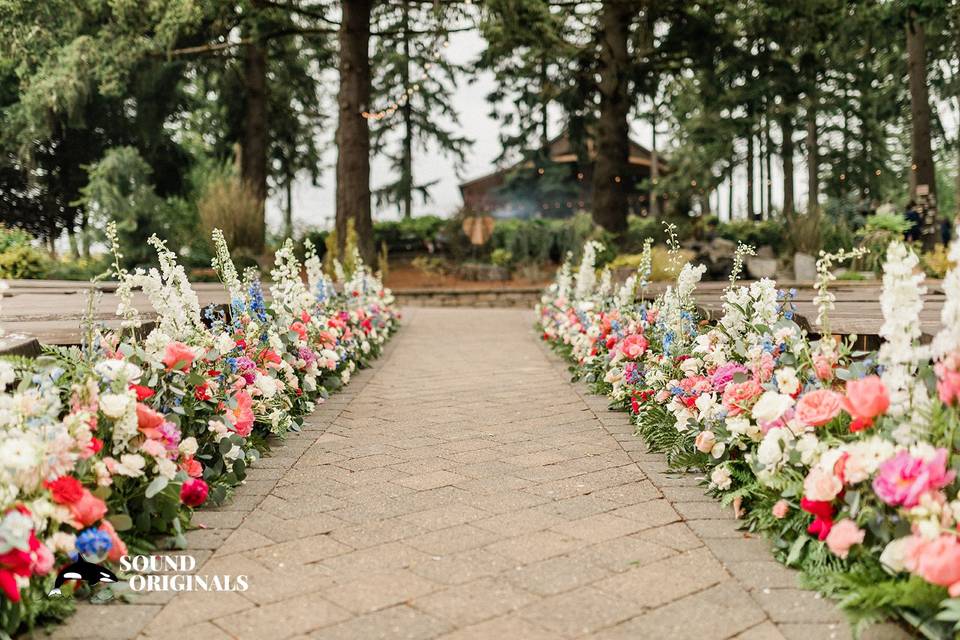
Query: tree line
x,y
180,89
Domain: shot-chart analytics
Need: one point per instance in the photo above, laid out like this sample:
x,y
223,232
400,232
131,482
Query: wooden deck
x,y
50,311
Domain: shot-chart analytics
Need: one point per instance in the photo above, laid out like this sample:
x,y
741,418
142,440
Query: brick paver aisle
x,y
463,488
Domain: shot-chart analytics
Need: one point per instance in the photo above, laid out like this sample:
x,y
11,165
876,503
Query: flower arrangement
x,y
845,459
106,449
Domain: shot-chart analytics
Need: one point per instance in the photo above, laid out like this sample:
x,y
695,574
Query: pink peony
x,y
178,356
633,346
193,492
936,561
241,416
904,479
865,400
819,407
780,509
844,535
724,374
738,396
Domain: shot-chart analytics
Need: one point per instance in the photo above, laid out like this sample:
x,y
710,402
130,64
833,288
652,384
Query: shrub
x,y
23,262
757,234
661,266
409,234
501,257
232,206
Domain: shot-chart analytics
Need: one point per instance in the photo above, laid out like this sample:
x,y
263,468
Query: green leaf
x,y
121,521
796,549
156,486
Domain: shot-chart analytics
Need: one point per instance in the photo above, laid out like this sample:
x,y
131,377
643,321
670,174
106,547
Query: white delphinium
x,y
901,302
742,250
184,320
223,264
565,278
645,268
824,299
586,278
290,295
312,264
338,271
627,292
606,284
947,339
678,299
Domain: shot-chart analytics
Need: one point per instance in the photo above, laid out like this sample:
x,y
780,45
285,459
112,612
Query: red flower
x,y
634,405
242,344
65,489
202,392
193,492
142,392
823,517
96,444
300,329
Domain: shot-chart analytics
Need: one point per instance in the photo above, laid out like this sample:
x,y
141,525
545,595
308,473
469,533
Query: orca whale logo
x,y
82,570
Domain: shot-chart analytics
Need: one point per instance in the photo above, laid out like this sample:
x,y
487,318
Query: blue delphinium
x,y
94,542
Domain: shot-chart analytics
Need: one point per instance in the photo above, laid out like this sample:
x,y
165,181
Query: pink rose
x,y
705,441
780,509
42,559
948,378
819,407
865,400
823,366
844,535
723,375
738,396
936,561
821,486
633,346
904,479
241,416
178,356
88,509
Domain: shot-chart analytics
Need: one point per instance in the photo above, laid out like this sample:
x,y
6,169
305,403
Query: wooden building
x,y
497,193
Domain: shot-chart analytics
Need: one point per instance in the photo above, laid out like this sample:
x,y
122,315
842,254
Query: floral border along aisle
x,y
846,460
107,449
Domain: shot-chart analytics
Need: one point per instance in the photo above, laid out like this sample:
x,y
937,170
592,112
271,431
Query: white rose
x,y
166,468
721,478
787,380
267,386
225,343
771,406
118,369
770,451
894,554
115,405
188,446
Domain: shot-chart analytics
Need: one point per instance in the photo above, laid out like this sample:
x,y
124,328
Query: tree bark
x,y
768,161
654,167
786,154
611,167
288,210
923,172
253,154
813,159
353,130
750,186
406,168
733,170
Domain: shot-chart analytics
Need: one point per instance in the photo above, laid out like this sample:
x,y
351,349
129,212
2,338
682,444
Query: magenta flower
x,y
904,479
723,375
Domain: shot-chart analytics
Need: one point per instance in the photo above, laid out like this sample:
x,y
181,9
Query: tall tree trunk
x,y
654,167
750,186
923,177
762,161
544,110
786,154
733,170
611,167
288,210
768,161
85,234
253,154
406,166
353,130
813,158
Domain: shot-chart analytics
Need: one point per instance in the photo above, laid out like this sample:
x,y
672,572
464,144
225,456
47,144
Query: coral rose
x,y
865,400
88,509
178,356
738,395
149,421
633,346
819,407
936,561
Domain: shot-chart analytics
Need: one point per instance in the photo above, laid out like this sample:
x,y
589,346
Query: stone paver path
x,y
464,488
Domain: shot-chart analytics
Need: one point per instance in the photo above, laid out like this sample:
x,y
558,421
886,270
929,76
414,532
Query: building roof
x,y
561,150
